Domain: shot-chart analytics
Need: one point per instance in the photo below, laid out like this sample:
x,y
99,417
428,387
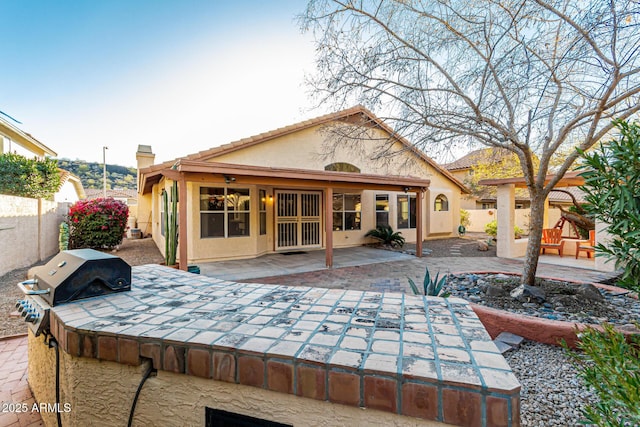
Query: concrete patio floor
x,y
299,262
370,268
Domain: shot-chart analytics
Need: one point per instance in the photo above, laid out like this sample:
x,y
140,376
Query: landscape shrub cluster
x,y
97,223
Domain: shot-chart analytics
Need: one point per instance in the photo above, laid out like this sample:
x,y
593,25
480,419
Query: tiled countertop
x,y
422,357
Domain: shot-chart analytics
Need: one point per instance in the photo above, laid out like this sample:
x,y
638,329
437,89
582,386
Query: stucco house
x,y
30,226
319,184
70,190
15,140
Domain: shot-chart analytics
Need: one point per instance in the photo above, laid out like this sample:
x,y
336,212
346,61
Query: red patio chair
x,y
589,247
552,239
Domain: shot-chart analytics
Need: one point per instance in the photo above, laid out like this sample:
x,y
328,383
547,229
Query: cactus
x,y
63,237
170,224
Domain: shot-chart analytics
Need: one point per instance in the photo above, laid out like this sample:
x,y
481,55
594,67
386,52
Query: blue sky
x,y
179,75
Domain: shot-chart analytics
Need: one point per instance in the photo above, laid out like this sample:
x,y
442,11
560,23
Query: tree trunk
x,y
536,219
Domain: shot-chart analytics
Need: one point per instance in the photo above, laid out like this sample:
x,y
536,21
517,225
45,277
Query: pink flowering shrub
x,y
97,223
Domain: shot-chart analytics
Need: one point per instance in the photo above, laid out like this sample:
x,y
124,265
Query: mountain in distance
x,y
118,177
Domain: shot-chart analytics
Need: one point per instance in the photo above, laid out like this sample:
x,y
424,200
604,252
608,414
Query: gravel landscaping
x,y
552,394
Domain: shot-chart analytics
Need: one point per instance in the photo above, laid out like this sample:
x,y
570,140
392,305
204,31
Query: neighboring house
x,y
301,187
14,140
71,189
30,227
485,197
130,197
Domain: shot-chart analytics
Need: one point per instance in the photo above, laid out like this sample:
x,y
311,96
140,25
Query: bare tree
x,y
526,75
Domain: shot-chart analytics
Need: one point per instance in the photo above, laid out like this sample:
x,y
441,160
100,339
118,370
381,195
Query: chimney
x,y
144,159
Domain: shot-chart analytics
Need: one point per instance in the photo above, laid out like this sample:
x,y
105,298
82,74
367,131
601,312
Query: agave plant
x,y
430,287
386,235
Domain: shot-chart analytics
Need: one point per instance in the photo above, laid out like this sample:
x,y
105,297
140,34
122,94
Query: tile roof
x,y
522,194
23,138
93,193
558,196
365,115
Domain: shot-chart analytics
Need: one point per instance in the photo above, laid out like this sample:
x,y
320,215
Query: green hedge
x,y
20,176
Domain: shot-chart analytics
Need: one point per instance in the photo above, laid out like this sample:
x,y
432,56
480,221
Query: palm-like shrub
x,y
385,235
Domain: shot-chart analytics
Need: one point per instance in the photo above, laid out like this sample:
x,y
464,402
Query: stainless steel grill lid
x,y
80,273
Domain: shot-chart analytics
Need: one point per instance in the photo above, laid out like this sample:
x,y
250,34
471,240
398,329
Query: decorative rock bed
x,y
545,321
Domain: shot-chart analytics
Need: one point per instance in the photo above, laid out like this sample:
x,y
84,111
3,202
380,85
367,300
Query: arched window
x,y
342,167
441,203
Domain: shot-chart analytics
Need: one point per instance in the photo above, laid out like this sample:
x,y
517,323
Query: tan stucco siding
x,y
309,149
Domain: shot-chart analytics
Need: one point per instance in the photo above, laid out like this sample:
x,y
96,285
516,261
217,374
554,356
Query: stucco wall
x,y
28,230
67,193
481,217
101,393
313,148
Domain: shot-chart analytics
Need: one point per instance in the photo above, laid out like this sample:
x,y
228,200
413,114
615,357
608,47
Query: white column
x,y
602,263
506,219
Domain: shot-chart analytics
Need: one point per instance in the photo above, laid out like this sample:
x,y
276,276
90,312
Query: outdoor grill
x,y
70,276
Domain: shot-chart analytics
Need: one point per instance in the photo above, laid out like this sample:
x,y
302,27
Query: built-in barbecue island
x,y
184,349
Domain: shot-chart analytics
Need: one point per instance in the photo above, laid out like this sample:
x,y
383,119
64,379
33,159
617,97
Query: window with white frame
x,y
407,211
346,212
382,209
224,212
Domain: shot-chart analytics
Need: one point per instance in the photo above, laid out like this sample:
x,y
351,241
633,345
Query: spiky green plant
x,y
430,287
385,234
63,236
170,224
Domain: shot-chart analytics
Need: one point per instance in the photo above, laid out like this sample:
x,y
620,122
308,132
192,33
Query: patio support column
x,y
545,220
506,219
328,225
182,224
419,209
602,236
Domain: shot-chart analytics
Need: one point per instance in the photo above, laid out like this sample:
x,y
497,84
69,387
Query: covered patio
x,y
189,174
509,247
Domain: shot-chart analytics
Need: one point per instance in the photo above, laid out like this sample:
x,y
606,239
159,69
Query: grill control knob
x,y
20,305
33,318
